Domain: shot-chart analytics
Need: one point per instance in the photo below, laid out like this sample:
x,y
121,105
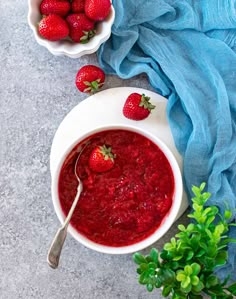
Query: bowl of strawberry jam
x,y
131,205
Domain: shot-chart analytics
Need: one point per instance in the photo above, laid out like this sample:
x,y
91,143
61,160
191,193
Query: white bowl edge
x,y
169,218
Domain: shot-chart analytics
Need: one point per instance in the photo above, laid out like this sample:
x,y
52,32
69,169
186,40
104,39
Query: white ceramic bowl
x,y
67,47
167,221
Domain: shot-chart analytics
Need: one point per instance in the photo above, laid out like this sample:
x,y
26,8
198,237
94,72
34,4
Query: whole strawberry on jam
x,y
101,159
90,79
53,28
97,10
81,27
77,6
137,106
58,7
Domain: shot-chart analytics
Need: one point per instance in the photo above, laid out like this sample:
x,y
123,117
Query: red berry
x,y
97,10
101,159
137,106
81,27
58,7
90,78
53,28
77,6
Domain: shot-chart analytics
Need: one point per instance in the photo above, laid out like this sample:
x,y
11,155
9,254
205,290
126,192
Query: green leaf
x,y
212,250
202,186
208,262
211,280
194,280
186,282
181,227
154,255
167,276
190,227
152,266
189,256
224,283
169,247
180,276
219,229
139,271
227,241
138,258
196,191
174,265
188,270
143,267
158,282
221,258
232,288
196,268
200,253
164,254
217,290
144,278
195,240
227,214
198,287
206,211
177,258
209,220
203,245
209,233
150,287
166,291
187,289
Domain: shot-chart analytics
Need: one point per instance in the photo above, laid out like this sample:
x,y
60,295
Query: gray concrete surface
x,y
36,91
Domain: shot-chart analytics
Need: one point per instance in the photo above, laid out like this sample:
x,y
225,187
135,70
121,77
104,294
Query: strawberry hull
x,y
126,204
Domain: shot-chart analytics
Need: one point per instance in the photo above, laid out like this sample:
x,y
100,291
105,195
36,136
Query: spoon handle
x,y
56,247
59,239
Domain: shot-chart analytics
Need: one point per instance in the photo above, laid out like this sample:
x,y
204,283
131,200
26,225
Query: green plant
x,y
185,267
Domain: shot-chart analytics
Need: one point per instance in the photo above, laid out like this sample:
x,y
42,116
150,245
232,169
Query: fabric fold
x,y
187,49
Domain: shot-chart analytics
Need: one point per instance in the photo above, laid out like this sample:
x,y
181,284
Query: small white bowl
x,y
67,47
167,221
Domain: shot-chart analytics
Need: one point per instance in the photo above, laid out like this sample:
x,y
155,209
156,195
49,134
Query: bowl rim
x,y
168,220
64,47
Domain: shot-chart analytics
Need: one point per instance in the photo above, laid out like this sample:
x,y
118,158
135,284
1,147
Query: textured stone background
x,y
36,91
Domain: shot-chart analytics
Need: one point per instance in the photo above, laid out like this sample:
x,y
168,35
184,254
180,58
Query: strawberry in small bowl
x,y
65,27
132,189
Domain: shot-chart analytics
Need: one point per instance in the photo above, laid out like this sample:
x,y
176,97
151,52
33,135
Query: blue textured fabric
x,y
188,51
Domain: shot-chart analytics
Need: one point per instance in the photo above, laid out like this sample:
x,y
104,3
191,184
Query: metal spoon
x,y
59,239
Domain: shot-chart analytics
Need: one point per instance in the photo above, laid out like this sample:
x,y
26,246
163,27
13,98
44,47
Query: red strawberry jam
x,y
126,204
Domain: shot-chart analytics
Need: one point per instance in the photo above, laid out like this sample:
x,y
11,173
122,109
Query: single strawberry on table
x,y
97,10
90,79
137,106
77,6
58,7
53,27
81,27
101,159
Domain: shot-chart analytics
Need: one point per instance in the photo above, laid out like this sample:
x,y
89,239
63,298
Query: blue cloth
x,y
188,51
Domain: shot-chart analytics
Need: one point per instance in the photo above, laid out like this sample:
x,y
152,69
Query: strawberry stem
x,y
87,35
107,153
93,86
145,103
